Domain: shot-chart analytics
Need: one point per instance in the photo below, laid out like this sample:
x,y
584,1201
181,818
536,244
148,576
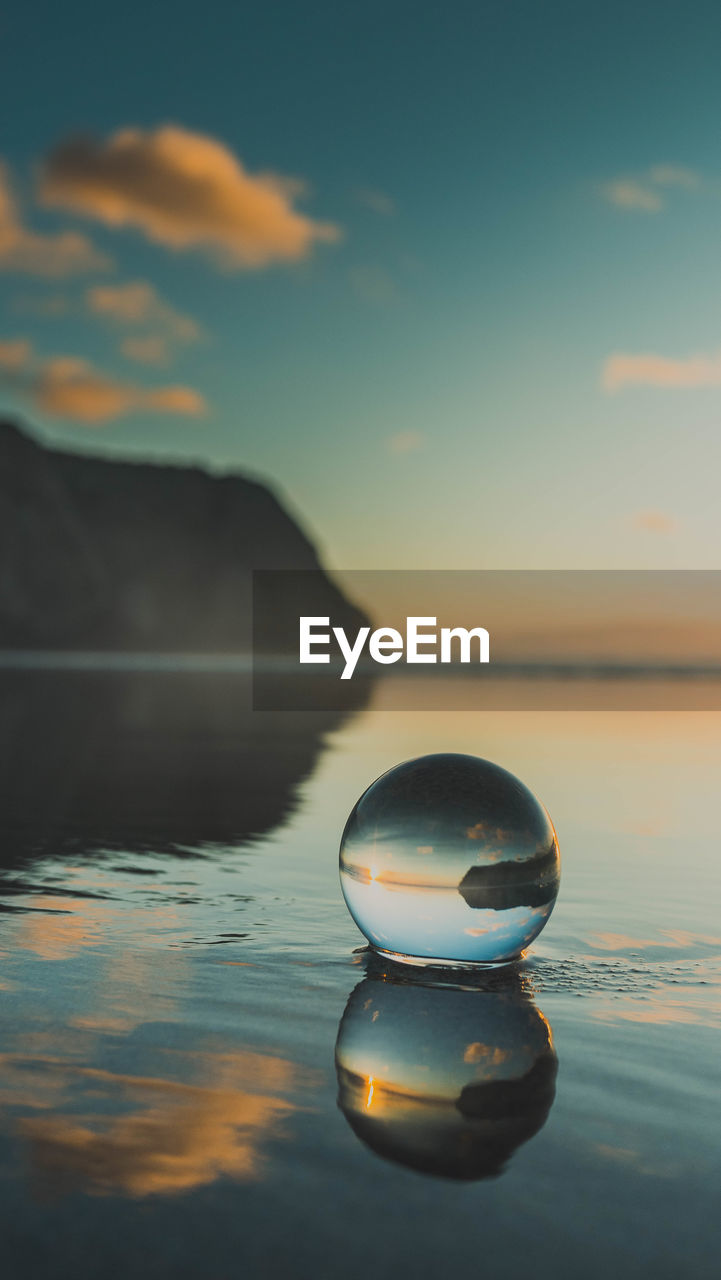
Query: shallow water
x,y
203,1073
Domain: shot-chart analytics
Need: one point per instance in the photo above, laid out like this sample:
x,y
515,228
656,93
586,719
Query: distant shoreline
x,y
122,660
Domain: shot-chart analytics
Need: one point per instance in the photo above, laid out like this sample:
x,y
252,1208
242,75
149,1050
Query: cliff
x,y
112,555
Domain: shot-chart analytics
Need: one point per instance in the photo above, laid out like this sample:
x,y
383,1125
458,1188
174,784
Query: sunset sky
x,y
448,276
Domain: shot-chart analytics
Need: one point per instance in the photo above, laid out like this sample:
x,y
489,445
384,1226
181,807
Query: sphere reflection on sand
x,y
444,1081
449,858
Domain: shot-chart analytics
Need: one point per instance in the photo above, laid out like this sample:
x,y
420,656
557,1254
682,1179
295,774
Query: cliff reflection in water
x,y
163,761
445,1081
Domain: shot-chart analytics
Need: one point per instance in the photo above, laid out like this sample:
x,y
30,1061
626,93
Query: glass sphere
x,y
449,859
447,1082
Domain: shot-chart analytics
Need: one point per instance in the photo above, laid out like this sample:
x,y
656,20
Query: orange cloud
x,y
163,1149
152,349
629,193
644,193
675,938
170,1137
184,190
658,1010
486,1055
138,304
69,387
404,442
651,370
65,253
14,354
61,927
674,175
654,521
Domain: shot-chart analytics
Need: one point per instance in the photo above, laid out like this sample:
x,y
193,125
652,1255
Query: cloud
x,y
670,175
145,1136
138,304
184,190
640,193
14,354
156,326
71,388
651,370
66,253
376,200
628,193
183,1137
150,349
654,521
404,442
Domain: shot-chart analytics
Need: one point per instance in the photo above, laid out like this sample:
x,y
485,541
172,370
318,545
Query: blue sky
x,y
518,193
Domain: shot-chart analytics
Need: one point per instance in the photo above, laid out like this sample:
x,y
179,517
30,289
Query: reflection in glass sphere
x,y
445,1081
449,858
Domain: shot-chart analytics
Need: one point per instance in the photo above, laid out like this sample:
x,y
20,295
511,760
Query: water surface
x,y
202,1072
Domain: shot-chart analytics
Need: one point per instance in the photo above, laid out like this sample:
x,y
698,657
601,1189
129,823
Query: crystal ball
x,y
449,1082
449,860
